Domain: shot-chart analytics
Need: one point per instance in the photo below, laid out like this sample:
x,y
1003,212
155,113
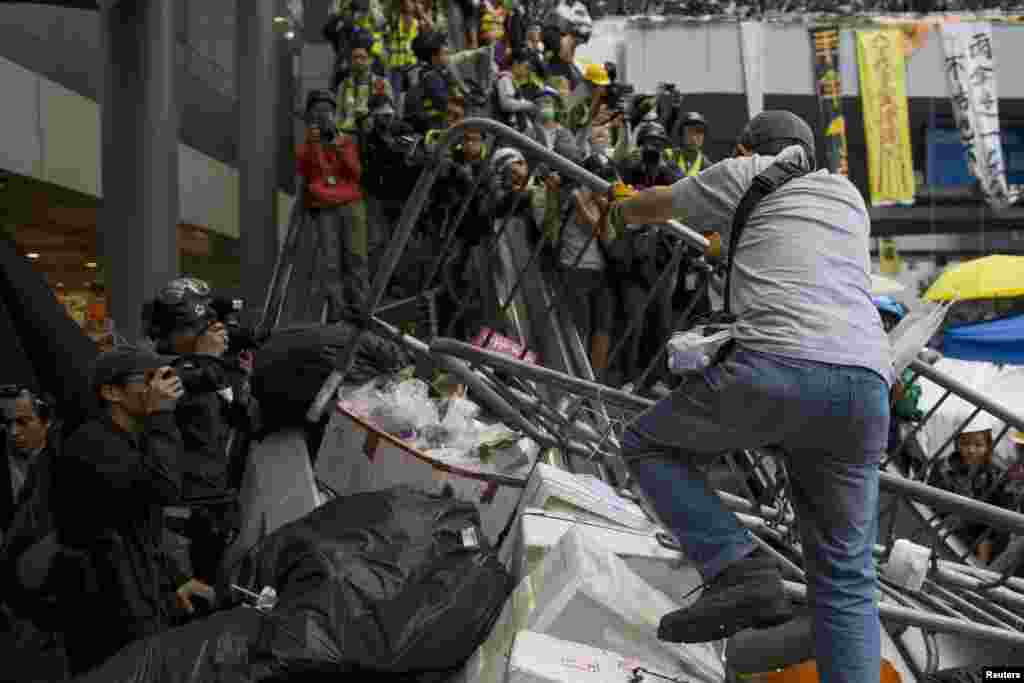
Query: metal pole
x,y
1004,595
538,373
139,216
410,214
930,622
1010,417
968,508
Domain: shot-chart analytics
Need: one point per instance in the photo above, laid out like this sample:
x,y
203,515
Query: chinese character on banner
x,y
830,92
970,72
883,92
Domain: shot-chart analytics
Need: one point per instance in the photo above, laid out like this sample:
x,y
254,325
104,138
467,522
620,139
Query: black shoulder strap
x,y
766,182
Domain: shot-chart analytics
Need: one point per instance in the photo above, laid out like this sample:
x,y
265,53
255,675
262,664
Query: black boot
x,y
748,594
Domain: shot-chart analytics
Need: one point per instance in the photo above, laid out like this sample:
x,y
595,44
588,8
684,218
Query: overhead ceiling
x,y
73,4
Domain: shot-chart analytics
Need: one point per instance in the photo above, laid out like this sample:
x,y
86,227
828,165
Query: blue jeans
x,y
832,422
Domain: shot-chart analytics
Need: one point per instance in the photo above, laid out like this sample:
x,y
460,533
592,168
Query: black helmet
x,y
651,130
183,304
692,118
777,126
425,44
361,38
601,166
316,96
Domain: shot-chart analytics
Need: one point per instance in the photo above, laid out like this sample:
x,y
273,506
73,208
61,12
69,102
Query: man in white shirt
x,y
809,372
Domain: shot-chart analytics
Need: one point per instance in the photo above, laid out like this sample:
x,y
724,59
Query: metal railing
x,y
578,418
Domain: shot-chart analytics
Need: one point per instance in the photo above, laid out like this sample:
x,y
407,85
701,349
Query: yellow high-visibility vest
x,y
689,170
400,37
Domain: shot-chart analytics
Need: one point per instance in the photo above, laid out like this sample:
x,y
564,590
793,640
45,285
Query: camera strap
x,y
766,182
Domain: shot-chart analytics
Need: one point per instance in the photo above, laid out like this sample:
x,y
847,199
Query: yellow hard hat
x,y
596,74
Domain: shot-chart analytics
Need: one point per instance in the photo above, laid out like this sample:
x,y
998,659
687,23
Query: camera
x,y
617,95
328,129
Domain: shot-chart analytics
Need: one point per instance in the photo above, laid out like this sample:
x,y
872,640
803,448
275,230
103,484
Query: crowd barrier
x,y
578,420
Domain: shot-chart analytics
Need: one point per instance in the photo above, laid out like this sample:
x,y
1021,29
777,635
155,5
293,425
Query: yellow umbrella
x,y
991,277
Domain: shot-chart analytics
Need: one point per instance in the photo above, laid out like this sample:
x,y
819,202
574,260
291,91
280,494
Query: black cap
x,y
110,367
316,96
775,126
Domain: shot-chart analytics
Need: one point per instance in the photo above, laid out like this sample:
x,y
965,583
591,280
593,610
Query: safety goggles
x,y
177,290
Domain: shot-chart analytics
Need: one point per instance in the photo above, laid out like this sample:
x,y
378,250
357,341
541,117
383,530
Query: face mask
x,y
547,114
360,70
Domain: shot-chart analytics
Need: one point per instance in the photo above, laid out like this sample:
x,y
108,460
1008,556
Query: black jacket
x,y
110,490
206,417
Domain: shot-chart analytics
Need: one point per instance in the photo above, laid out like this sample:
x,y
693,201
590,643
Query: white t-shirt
x,y
801,280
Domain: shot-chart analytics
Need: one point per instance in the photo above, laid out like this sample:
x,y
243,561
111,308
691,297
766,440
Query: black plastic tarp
x,y
58,351
214,650
293,364
390,582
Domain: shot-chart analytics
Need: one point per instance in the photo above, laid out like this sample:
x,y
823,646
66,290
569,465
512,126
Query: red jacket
x,y
318,163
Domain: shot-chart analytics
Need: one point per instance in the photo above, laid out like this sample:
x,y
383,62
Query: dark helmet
x,y
317,96
601,166
692,118
651,131
425,44
183,304
777,126
361,38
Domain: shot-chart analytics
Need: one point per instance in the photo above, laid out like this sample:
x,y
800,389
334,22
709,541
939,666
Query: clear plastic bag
x,y
909,337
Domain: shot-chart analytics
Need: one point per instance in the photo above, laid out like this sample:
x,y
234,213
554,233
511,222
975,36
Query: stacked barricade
x,y
577,419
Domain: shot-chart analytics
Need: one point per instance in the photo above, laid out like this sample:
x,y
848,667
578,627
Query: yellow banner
x,y
883,93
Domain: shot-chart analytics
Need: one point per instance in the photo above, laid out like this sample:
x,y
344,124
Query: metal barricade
x,y
579,419
918,520
525,297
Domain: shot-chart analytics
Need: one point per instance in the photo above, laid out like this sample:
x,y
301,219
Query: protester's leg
x,y
834,477
748,400
602,303
329,225
355,253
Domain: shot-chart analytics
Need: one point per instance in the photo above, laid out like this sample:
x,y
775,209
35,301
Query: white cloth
x,y
752,50
969,64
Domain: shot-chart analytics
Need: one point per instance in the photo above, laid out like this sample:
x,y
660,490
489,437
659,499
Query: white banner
x,y
752,49
970,71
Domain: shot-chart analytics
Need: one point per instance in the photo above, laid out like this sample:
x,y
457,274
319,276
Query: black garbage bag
x,y
292,365
397,582
213,650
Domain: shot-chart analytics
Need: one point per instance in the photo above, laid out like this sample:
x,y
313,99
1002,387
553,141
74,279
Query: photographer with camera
x,y
347,27
331,170
356,88
689,153
567,27
116,471
515,91
428,83
216,418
